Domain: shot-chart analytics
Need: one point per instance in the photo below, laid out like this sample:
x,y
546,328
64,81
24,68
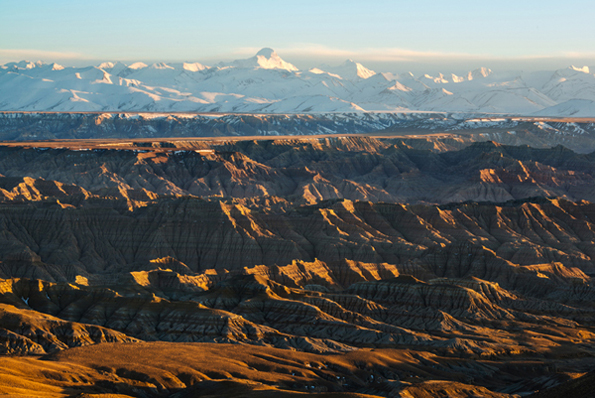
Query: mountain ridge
x,y
267,83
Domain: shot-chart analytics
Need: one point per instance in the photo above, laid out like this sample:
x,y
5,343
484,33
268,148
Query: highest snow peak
x,y
266,58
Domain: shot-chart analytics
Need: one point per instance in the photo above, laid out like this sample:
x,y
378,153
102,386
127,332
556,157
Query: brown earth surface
x,y
198,369
327,267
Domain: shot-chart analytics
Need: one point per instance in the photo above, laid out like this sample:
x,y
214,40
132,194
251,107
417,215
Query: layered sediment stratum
x,y
335,265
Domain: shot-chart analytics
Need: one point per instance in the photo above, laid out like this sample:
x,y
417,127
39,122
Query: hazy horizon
x,y
456,66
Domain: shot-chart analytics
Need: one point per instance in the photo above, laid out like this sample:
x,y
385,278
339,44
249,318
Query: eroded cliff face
x,y
54,242
225,246
303,171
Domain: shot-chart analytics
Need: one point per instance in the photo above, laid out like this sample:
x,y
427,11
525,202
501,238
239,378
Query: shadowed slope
x,y
48,242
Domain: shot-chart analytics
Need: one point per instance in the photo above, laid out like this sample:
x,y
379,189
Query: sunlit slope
x,y
190,370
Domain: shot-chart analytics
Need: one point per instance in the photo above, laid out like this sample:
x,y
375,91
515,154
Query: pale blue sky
x,y
386,35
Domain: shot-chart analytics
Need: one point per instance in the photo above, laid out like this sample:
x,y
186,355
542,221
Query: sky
x,y
388,36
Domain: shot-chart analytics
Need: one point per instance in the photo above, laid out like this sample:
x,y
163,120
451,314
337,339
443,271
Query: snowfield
x,y
266,83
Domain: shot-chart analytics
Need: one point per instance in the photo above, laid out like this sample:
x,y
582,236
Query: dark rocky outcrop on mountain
x,y
425,130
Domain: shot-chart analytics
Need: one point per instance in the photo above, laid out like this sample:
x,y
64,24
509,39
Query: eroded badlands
x,y
335,266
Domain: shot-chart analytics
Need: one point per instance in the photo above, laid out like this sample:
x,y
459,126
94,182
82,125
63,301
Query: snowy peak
x,y
457,79
116,67
113,68
161,65
479,73
193,67
137,65
266,58
572,72
317,71
436,79
399,87
23,65
107,65
584,69
351,70
360,70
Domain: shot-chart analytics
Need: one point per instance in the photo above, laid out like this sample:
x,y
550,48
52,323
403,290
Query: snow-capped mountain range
x,y
266,83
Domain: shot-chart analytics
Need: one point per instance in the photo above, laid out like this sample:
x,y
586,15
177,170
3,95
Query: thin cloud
x,y
313,51
21,54
371,54
573,54
306,55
